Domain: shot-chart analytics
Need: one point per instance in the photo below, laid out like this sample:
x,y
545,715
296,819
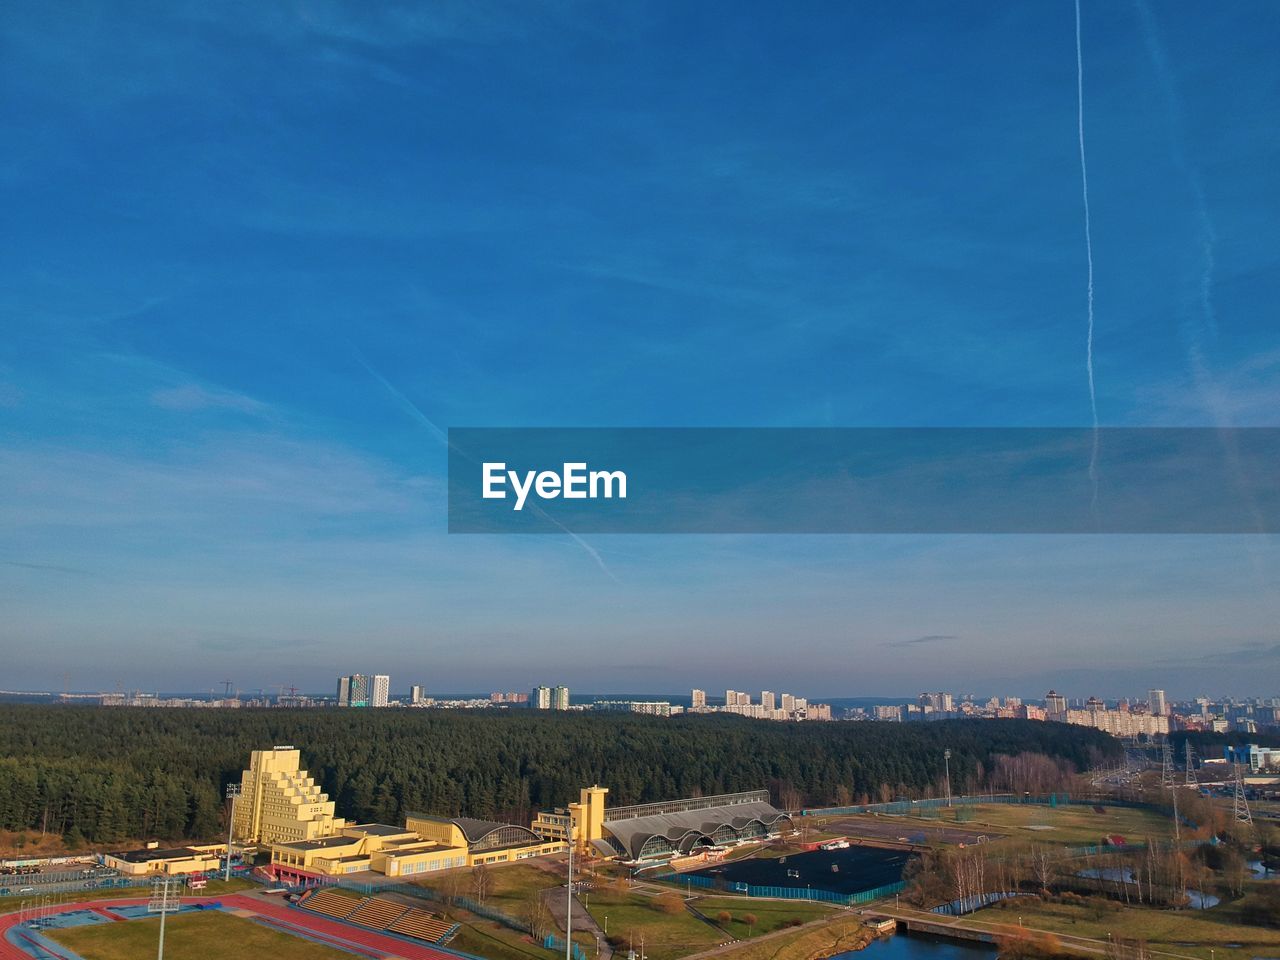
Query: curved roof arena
x,y
684,829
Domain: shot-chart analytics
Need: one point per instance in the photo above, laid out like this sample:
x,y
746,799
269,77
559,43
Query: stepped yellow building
x,y
280,803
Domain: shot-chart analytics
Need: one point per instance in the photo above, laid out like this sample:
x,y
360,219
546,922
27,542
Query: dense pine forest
x,y
105,774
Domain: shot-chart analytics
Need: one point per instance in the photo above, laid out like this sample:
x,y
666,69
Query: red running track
x,y
369,943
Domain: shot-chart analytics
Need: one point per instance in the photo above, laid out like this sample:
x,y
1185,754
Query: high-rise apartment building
x,y
560,698
360,689
730,698
788,703
380,694
767,699
699,700
1055,706
356,690
1156,702
540,698
417,694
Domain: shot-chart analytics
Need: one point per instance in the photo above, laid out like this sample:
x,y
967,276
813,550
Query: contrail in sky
x,y
1088,249
1195,334
416,413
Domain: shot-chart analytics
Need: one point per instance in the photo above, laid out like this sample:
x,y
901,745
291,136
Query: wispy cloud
x,y
1258,652
193,397
927,639
54,567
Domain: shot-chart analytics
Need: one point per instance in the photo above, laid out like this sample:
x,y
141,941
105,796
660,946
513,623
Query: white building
x,y
1156,703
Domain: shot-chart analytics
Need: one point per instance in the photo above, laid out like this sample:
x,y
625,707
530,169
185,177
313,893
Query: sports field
x,y
210,935
1069,824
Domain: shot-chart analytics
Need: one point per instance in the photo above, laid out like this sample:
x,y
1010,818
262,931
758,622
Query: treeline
x,y
105,774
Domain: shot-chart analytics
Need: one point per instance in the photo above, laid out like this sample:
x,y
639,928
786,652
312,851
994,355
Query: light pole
x,y
233,791
162,904
568,910
946,759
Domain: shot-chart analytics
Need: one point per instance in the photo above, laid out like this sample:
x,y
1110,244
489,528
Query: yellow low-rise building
x,y
424,845
154,860
486,841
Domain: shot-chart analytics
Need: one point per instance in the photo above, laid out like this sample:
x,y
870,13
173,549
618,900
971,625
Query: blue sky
x,y
250,250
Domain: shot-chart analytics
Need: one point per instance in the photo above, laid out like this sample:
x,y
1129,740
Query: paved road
x,y
582,921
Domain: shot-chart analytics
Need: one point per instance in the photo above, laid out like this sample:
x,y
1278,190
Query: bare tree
x,y
480,882
538,915
1042,866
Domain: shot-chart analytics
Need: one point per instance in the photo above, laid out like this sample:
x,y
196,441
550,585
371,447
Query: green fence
x,y
901,807
783,893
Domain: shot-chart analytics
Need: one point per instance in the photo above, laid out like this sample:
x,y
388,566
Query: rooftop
x,y
323,843
147,855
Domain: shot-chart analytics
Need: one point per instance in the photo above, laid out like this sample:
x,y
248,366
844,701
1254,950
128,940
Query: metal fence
x,y
784,893
900,807
19,889
552,942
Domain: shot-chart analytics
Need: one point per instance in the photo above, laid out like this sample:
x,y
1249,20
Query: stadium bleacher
x,y
332,904
424,926
378,913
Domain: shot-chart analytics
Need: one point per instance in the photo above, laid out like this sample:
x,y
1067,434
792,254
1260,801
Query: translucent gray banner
x,y
864,480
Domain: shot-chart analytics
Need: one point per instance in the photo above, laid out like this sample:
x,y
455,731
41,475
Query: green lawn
x,y
212,935
1067,825
770,914
511,885
840,935
666,936
496,942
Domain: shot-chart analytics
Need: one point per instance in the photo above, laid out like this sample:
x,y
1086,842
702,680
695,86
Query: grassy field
x,y
666,936
1070,824
211,935
496,942
512,885
770,914
1189,933
840,935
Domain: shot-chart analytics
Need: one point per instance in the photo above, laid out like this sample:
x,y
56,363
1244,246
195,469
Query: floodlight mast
x,y
568,907
946,759
233,791
160,903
